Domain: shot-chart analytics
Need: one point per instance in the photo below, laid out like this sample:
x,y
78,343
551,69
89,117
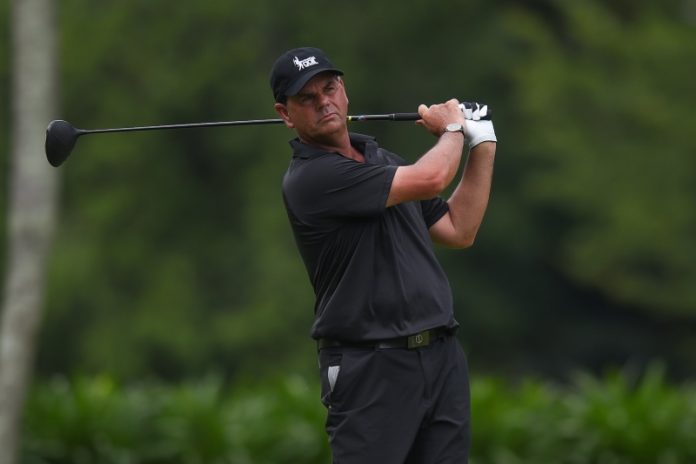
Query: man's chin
x,y
329,134
332,125
330,118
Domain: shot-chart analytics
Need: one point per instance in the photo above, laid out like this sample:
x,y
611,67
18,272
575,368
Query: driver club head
x,y
61,137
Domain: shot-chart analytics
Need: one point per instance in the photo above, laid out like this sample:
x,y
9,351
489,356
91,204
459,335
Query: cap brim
x,y
297,86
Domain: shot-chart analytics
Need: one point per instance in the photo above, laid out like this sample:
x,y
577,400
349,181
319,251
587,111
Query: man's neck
x,y
340,145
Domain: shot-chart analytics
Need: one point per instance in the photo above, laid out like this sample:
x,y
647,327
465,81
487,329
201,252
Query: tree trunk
x,y
31,209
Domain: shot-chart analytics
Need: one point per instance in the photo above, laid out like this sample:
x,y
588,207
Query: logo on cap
x,y
306,63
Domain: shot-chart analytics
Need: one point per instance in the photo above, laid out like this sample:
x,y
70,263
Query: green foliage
x,y
96,420
614,419
174,257
611,125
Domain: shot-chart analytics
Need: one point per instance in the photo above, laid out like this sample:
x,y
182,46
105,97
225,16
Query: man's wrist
x,y
480,131
455,127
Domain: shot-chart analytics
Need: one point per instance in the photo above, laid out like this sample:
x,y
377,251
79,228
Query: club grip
x,y
406,116
473,111
483,112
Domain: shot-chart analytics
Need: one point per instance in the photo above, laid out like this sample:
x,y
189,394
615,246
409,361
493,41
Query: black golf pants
x,y
397,406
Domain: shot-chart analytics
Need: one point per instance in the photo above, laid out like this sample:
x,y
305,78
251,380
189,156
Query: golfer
x,y
394,378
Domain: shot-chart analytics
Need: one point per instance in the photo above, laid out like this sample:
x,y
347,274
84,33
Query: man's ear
x,y
343,84
282,111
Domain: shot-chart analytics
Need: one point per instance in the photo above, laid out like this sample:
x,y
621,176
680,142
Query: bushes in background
x,y
97,421
613,420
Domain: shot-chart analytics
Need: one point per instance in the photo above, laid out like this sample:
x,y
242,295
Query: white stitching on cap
x,y
306,63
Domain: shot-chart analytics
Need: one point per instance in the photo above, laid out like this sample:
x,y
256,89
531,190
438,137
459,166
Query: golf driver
x,y
61,136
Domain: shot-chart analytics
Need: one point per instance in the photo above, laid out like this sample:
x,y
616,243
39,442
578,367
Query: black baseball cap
x,y
294,68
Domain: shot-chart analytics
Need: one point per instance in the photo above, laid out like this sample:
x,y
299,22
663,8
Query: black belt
x,y
418,340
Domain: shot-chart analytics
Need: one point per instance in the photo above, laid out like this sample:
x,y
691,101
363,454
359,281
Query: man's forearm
x,y
431,174
470,198
442,160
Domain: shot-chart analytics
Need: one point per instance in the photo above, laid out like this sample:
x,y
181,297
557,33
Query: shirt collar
x,y
303,150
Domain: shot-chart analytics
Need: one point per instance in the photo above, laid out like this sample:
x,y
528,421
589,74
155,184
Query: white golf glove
x,y
474,111
479,131
479,127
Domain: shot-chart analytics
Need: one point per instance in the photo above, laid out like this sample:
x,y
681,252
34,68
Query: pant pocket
x,y
332,375
329,370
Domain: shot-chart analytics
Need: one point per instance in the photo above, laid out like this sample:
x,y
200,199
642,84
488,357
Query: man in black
x,y
394,379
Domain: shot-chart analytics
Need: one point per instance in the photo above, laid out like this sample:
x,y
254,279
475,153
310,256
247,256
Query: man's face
x,y
318,112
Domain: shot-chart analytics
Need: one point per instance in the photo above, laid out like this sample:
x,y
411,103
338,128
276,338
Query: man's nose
x,y
322,99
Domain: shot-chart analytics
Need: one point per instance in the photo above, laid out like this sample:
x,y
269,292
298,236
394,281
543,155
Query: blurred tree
x,y
174,256
611,105
31,213
559,275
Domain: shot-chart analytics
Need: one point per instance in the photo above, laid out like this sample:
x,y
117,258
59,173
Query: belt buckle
x,y
419,339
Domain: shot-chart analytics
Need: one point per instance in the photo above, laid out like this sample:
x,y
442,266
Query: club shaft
x,y
250,122
385,117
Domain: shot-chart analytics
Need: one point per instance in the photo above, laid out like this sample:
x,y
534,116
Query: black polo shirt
x,y
373,269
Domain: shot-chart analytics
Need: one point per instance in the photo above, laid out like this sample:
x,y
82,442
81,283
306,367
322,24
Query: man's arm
x,y
434,171
467,205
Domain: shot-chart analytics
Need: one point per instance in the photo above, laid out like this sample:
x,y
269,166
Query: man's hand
x,y
436,117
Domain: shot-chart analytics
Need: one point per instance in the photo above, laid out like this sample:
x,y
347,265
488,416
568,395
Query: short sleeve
x,y
333,186
433,210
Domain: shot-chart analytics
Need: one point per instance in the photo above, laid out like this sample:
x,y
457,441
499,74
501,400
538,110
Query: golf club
x,y
61,136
